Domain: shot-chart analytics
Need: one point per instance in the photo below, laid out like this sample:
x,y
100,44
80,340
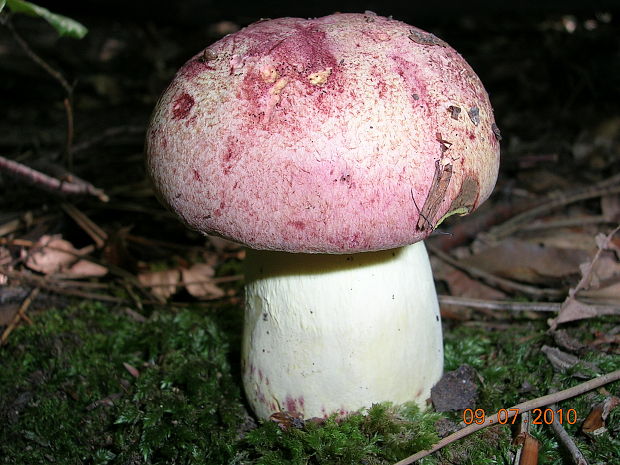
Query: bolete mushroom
x,y
331,148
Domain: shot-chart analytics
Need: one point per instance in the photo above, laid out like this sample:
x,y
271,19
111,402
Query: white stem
x,y
335,333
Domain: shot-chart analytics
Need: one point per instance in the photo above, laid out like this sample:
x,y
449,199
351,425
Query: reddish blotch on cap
x,y
347,133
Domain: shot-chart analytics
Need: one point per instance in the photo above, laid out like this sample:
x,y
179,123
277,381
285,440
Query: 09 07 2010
x,y
504,416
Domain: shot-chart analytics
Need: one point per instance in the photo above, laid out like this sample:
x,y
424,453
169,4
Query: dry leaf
x,y
86,269
609,293
573,310
610,206
7,313
595,421
287,420
5,260
529,450
198,280
133,371
50,256
528,262
607,267
563,361
161,283
563,238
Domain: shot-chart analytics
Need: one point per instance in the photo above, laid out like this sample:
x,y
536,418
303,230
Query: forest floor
x,y
120,329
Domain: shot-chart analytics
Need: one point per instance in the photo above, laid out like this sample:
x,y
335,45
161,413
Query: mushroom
x,y
331,148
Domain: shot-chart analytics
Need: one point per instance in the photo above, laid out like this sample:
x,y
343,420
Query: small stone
x,y
456,390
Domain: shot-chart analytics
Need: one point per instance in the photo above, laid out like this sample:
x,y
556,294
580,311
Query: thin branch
x,y
73,186
565,440
500,304
517,409
57,75
37,59
605,187
113,132
98,235
68,103
19,315
492,279
604,309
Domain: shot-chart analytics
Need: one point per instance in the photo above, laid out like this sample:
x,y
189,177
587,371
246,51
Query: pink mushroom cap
x,y
341,134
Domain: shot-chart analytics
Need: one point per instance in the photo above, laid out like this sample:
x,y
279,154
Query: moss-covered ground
x,y
90,384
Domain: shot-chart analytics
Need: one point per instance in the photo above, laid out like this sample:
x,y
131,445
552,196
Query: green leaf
x,y
2,3
63,25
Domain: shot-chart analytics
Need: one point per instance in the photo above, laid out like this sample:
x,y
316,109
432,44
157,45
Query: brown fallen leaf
x,y
85,269
609,292
54,255
287,420
610,207
526,261
603,339
459,283
595,421
133,371
7,312
529,451
161,283
563,361
198,280
5,261
573,310
51,255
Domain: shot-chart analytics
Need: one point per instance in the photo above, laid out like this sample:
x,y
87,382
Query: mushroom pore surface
x,y
341,134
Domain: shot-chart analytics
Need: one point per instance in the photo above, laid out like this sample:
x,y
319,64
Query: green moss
x,y
67,397
383,435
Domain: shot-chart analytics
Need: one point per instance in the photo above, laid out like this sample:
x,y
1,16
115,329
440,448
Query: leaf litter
x,y
547,227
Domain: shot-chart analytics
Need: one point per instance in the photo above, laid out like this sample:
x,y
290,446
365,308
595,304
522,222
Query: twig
x,y
74,186
57,75
19,315
494,280
68,103
606,187
36,58
58,287
108,133
565,440
517,409
500,304
97,234
604,309
116,270
567,222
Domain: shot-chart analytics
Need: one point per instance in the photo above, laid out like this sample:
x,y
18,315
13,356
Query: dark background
x,y
552,70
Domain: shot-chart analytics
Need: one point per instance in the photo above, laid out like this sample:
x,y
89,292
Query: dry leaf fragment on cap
x,y
595,421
